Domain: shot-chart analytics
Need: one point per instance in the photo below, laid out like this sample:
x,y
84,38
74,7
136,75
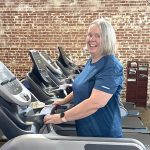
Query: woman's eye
x,y
97,36
89,35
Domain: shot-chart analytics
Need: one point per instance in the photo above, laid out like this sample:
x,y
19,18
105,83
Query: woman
x,y
96,90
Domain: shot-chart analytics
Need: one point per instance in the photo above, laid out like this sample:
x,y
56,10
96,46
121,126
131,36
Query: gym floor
x,y
144,114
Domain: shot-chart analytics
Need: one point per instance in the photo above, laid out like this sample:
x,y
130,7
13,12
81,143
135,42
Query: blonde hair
x,y
108,36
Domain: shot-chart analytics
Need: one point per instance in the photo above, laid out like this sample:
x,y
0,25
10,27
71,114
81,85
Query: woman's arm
x,y
68,98
98,99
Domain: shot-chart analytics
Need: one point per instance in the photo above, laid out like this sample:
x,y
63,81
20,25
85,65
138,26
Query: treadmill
x,y
53,141
39,81
59,76
52,64
18,106
65,63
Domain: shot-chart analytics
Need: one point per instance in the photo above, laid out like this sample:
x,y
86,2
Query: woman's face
x,y
93,40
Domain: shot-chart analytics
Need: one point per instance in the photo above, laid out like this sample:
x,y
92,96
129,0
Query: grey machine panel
x,y
40,142
11,89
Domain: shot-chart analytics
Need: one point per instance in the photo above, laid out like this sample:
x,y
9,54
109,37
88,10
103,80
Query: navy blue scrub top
x,y
105,75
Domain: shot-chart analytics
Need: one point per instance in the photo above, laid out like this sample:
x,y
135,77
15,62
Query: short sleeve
x,y
109,79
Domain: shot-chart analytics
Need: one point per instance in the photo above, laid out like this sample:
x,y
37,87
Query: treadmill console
x,y
67,63
11,89
50,64
64,59
40,69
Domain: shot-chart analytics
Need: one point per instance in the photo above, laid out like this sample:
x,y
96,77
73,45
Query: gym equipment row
x,y
22,112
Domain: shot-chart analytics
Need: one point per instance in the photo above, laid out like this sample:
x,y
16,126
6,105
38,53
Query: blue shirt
x,y
104,75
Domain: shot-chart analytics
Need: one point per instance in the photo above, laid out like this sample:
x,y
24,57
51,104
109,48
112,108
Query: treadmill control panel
x,y
51,65
11,89
40,69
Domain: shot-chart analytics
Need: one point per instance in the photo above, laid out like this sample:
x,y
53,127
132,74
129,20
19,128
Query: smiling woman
x,y
105,38
96,90
94,41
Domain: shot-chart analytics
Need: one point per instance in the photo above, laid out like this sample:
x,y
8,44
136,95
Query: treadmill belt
x,y
132,123
144,138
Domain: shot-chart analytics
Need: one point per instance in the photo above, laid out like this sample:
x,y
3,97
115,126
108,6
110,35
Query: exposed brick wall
x,y
46,24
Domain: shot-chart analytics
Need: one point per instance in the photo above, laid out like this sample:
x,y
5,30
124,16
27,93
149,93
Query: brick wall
x,y
46,24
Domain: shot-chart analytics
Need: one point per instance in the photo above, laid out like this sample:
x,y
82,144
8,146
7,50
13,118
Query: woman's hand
x,y
59,102
55,119
65,100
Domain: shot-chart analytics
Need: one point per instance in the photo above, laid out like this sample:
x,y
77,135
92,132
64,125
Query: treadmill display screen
x,y
3,77
5,74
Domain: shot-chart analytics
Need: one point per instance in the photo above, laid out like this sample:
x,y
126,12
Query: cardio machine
x,y
39,81
58,74
66,64
52,65
53,141
18,106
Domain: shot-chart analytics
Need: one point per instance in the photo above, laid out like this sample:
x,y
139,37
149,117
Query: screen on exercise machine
x,y
5,74
11,89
